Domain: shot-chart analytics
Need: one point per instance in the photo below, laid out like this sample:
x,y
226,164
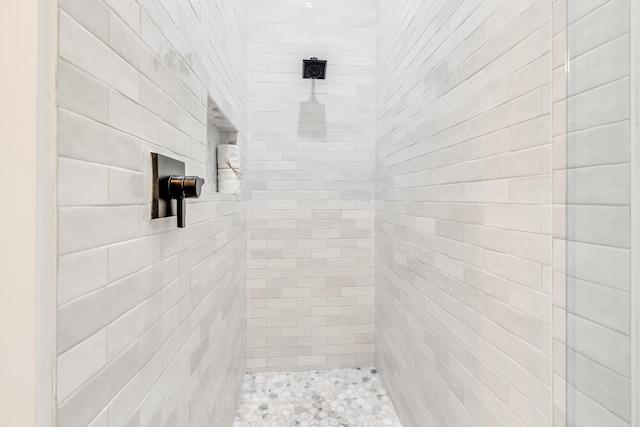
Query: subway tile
x,y
82,183
599,343
78,365
81,93
613,225
606,306
84,139
93,396
604,265
84,228
127,116
82,49
93,15
599,383
81,273
86,315
125,80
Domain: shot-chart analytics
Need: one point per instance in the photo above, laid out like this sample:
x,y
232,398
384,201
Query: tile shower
x,y
396,255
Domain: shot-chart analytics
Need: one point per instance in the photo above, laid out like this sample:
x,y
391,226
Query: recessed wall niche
x,y
219,131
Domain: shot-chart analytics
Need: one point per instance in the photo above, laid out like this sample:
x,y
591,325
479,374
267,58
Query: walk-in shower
x,y
416,213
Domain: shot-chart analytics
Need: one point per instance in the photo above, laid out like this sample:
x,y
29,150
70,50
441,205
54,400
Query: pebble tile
x,y
342,398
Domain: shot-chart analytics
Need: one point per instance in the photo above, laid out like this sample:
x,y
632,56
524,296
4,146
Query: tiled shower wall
x,y
310,177
151,318
463,211
598,214
559,215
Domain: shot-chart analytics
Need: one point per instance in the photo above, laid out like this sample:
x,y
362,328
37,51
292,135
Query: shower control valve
x,y
171,188
181,188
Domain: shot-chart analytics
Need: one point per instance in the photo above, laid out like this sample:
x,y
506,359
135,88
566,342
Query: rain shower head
x,y
314,68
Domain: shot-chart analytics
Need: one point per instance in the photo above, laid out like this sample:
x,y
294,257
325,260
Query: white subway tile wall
x,y
559,214
598,189
310,178
151,318
464,211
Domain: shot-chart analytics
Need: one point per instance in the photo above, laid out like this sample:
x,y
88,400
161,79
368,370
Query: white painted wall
x,y
18,133
310,177
151,318
27,123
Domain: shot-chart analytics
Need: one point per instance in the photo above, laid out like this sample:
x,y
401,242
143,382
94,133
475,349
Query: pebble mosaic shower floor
x,y
342,398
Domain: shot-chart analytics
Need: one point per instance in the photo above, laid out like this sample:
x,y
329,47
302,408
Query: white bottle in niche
x,y
228,168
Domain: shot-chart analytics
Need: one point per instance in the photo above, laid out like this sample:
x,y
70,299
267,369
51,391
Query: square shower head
x,y
314,68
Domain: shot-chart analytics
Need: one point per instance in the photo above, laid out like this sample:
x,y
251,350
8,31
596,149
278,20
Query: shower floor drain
x,y
342,398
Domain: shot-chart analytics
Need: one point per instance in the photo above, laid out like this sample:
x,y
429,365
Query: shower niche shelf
x,y
220,131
